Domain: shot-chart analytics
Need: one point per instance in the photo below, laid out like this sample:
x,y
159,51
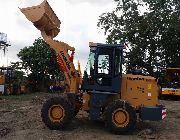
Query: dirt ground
x,y
20,120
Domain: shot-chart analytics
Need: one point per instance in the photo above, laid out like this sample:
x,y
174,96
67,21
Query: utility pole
x,y
3,42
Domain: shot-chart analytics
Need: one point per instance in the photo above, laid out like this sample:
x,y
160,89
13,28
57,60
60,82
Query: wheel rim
x,y
56,113
120,117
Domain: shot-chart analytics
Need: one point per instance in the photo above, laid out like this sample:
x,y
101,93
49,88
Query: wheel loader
x,y
9,84
104,92
172,87
6,80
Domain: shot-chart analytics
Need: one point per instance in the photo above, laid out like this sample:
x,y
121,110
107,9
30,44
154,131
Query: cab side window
x,y
103,64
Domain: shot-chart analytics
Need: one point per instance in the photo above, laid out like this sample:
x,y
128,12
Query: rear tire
x,y
57,113
120,117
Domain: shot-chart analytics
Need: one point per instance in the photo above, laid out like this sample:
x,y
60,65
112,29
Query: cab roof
x,y
91,44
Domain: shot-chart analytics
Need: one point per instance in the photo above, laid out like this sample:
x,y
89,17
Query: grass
x,y
22,97
14,102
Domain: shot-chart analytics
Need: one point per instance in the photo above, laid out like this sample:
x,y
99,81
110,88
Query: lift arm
x,y
45,20
64,60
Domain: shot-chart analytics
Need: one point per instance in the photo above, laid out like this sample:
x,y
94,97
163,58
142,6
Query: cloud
x,y
79,24
29,3
101,2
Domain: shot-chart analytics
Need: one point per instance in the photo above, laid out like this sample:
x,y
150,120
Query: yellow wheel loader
x,y
9,83
6,81
104,92
172,87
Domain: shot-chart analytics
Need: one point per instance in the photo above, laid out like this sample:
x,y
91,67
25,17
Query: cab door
x,y
108,69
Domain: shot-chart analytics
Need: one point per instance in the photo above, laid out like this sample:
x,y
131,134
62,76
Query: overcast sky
x,y
78,25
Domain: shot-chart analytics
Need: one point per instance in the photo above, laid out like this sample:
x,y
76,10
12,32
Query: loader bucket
x,y
43,18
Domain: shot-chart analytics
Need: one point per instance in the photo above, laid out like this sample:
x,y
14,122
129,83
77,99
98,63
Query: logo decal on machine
x,y
149,86
65,59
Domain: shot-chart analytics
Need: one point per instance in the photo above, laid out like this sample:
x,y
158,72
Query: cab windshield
x,y
90,64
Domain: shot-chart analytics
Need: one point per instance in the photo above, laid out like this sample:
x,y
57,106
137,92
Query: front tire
x,y
57,113
120,117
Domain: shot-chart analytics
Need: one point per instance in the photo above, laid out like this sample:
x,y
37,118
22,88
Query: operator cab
x,y
104,68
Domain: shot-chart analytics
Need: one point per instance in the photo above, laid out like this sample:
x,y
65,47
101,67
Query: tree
x,y
104,64
19,77
40,60
153,35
